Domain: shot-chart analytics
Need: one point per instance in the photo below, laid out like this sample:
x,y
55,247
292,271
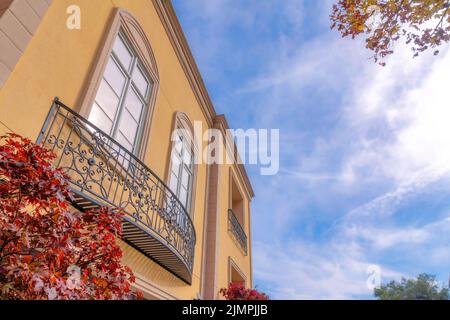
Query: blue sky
x,y
364,150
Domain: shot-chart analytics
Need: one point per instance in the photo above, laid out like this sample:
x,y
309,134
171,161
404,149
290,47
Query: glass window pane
x,y
181,219
107,99
178,144
140,80
100,119
115,77
122,52
185,179
134,104
123,157
120,138
173,183
175,167
183,196
187,155
128,126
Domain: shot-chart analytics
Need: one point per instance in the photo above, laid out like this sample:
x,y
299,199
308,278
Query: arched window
x,y
182,169
121,95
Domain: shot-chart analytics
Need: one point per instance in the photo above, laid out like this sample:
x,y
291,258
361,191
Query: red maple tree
x,y
47,250
237,291
423,24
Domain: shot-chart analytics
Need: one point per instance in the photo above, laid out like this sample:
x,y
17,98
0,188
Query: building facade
x,y
112,88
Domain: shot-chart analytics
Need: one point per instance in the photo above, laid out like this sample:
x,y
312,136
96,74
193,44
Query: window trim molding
x,y
233,264
182,121
124,22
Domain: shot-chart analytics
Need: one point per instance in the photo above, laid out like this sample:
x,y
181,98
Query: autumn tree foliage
x,y
422,24
237,291
47,250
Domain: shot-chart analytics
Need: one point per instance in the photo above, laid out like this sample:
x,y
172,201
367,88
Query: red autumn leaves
x,y
47,250
237,291
423,24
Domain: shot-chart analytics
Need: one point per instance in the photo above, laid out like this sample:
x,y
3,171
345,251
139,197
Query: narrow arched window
x,y
182,166
182,170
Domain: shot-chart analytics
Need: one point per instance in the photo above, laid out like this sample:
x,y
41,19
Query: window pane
x,y
123,141
183,196
187,156
185,179
124,157
181,219
122,52
178,144
134,104
140,81
107,99
175,167
173,183
128,126
115,77
99,118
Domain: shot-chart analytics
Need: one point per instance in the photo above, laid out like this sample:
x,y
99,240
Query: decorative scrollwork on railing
x,y
236,229
106,171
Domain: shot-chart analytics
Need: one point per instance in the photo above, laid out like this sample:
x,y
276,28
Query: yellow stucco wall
x,y
58,62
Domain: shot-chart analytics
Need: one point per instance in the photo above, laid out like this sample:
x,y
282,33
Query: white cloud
x,y
338,269
409,100
393,130
318,61
384,238
298,270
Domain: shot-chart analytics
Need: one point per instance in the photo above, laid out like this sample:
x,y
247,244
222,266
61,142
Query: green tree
x,y
424,287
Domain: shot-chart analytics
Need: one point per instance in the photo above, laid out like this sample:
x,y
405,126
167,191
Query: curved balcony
x,y
102,172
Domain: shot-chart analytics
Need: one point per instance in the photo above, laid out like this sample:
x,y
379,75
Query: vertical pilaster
x,y
212,238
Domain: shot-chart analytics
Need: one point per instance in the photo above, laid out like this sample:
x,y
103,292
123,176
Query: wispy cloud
x,y
306,271
391,135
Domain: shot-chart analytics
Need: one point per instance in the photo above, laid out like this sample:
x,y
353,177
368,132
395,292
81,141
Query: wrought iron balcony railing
x,y
236,229
102,172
